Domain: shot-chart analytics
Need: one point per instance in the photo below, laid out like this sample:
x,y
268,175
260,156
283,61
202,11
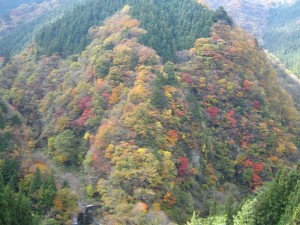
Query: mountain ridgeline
x,y
182,22
274,23
152,137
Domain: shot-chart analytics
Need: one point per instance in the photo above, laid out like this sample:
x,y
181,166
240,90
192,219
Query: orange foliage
x,y
172,136
169,200
248,163
142,207
58,204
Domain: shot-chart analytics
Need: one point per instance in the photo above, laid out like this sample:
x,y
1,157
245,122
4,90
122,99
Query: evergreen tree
x,y
47,194
222,15
36,182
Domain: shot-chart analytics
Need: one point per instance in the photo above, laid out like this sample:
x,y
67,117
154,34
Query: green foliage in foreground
x,y
277,203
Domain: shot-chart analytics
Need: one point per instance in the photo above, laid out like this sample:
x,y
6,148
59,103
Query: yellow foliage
x,y
141,151
230,86
274,158
90,190
167,154
109,151
167,114
31,143
101,185
62,158
41,166
240,94
168,94
169,200
116,93
86,136
204,148
156,206
263,128
222,81
280,147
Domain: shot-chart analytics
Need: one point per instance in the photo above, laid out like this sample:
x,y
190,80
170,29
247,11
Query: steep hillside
x,y
250,15
171,26
157,141
25,13
7,6
277,203
274,23
26,20
66,30
283,35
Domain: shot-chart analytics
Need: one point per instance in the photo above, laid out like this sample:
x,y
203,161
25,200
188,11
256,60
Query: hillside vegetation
x,y
283,35
156,140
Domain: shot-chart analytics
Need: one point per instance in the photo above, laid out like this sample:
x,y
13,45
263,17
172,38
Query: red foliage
x,y
212,111
248,163
257,167
87,113
59,113
256,177
247,85
91,73
84,102
230,117
186,78
256,105
184,165
106,96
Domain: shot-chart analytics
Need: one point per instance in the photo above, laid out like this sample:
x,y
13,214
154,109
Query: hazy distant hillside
x,y
25,13
274,23
250,15
282,36
6,6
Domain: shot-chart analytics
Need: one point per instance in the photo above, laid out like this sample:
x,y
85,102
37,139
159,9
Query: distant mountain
x,y
275,24
25,13
7,6
250,15
282,35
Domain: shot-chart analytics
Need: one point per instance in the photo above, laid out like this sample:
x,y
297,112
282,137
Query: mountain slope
x,y
181,22
272,22
283,35
156,138
7,6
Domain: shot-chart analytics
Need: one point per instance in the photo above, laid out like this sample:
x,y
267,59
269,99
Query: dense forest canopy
x,y
283,35
7,6
149,133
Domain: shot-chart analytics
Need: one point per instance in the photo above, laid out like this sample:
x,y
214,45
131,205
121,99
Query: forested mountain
x,y
283,35
166,109
7,6
274,23
26,20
